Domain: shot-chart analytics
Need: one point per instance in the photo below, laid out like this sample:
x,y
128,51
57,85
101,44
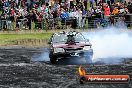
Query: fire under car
x,y
69,44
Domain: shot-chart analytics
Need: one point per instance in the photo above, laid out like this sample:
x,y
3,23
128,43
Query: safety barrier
x,y
72,22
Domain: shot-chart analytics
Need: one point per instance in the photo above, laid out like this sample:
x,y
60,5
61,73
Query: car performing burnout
x,y
69,44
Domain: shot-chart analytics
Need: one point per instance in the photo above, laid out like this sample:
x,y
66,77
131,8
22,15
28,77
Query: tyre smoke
x,y
110,45
43,56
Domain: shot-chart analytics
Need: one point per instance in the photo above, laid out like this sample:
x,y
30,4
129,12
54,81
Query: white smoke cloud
x,y
44,56
111,44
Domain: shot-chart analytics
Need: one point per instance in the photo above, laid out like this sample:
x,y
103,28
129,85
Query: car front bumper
x,y
78,53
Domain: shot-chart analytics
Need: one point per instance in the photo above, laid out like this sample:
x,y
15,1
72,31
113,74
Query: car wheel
x,y
53,58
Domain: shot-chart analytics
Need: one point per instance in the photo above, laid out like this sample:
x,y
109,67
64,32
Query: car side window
x,y
59,38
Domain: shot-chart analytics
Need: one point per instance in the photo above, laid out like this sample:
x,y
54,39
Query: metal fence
x,y
75,23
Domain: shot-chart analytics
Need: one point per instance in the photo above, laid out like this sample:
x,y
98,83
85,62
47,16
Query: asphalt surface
x,y
19,69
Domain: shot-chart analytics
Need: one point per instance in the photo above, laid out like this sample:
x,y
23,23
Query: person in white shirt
x,y
79,17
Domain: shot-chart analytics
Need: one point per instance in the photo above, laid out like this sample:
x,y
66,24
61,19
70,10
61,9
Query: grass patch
x,y
9,39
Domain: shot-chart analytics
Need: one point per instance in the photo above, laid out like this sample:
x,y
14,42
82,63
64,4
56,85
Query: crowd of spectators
x,y
28,11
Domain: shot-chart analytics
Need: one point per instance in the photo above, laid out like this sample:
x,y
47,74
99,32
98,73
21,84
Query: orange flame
x,y
81,71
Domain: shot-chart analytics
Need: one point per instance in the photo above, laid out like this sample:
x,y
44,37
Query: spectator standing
x,y
106,10
115,11
3,21
79,17
129,7
29,19
39,21
91,3
84,13
112,1
96,2
9,21
18,18
64,16
109,3
85,4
